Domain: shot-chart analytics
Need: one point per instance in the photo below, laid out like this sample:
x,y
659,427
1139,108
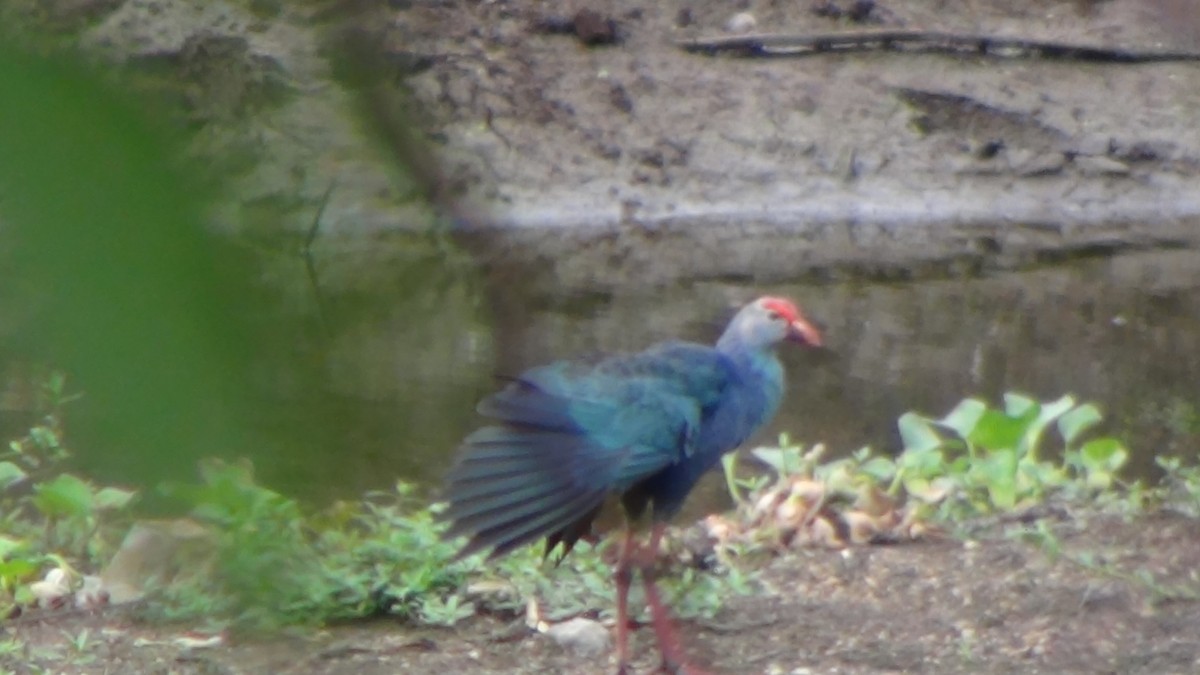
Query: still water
x,y
381,384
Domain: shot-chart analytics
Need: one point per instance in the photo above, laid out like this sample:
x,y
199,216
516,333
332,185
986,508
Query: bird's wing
x,y
644,409
568,434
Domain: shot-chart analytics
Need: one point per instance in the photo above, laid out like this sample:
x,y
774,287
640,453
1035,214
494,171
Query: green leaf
x,y
45,437
9,474
17,569
917,433
1038,476
113,498
1017,405
66,495
8,545
786,460
880,469
1056,409
1075,423
1047,413
964,417
999,470
1106,454
772,457
929,462
997,431
1168,464
929,491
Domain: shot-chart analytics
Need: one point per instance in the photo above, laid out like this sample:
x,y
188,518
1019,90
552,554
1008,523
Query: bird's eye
x,y
774,316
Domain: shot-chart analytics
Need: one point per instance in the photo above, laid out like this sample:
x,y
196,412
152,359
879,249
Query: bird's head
x,y
770,320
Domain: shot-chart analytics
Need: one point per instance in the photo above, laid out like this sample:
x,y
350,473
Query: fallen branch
x,y
923,42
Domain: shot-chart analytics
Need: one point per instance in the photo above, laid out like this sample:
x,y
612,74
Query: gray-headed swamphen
x,y
644,427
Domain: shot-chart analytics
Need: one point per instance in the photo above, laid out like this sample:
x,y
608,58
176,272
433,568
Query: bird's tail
x,y
534,475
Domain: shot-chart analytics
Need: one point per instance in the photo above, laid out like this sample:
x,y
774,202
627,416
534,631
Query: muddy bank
x,y
636,162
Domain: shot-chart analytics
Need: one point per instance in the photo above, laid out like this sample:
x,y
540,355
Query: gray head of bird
x,y
770,320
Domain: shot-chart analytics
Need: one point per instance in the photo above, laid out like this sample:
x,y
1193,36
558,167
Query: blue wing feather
x,y
569,434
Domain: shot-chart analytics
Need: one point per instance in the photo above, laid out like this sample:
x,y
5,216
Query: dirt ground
x,y
789,165
992,604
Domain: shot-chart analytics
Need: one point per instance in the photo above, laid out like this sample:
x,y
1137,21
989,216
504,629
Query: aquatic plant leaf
x,y
999,471
1018,405
965,416
1103,454
917,433
881,469
1075,423
998,431
772,457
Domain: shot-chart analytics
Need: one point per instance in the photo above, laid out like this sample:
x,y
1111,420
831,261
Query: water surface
x,y
381,384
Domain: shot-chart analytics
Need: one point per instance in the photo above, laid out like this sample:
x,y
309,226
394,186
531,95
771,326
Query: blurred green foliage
x,y
109,274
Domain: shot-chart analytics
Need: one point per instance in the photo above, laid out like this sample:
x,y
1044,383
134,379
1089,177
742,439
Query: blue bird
x,y
644,427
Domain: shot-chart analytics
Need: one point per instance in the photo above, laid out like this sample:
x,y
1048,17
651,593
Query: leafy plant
x,y
266,563
978,459
973,461
50,517
277,566
385,554
1180,485
786,459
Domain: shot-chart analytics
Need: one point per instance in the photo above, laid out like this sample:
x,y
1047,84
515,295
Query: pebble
x,y
580,636
742,22
1095,165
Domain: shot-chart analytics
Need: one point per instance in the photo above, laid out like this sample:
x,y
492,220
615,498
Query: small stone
x,y
1093,144
860,11
580,636
198,641
742,22
158,552
1042,164
1142,151
593,28
1096,165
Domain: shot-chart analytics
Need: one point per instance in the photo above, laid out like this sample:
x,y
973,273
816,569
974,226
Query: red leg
x,y
623,576
674,658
